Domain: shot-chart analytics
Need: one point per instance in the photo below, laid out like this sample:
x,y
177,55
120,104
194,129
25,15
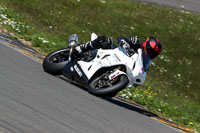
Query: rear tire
x,y
108,91
55,62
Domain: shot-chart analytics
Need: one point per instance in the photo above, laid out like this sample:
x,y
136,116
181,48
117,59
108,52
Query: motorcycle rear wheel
x,y
55,62
110,90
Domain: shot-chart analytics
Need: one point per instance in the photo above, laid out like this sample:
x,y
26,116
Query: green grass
x,y
174,74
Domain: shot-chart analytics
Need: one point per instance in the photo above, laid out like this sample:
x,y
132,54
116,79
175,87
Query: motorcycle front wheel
x,y
104,87
55,62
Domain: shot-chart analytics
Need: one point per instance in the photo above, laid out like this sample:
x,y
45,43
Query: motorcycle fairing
x,y
74,72
106,58
138,72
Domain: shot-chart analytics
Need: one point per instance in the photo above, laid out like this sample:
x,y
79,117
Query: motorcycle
x,y
104,72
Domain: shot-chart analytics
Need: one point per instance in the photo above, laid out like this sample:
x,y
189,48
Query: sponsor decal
x,y
142,69
108,61
78,70
116,57
113,75
72,69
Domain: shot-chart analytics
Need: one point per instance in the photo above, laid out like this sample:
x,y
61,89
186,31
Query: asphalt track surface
x,y
188,5
32,101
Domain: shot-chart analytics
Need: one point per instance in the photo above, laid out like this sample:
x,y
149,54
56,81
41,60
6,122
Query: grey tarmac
x,y
187,5
32,101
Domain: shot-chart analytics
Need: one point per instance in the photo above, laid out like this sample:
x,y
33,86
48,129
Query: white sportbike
x,y
104,72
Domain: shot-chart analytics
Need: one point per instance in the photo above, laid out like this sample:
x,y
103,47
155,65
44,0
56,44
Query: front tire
x,y
108,90
55,62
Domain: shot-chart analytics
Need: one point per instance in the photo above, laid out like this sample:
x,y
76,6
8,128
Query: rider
x,y
151,47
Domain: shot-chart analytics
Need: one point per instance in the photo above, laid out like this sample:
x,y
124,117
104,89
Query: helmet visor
x,y
151,52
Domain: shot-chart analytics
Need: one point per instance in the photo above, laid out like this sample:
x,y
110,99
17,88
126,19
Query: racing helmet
x,y
152,47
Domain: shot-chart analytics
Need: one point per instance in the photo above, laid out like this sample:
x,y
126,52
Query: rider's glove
x,y
78,50
136,43
129,43
134,40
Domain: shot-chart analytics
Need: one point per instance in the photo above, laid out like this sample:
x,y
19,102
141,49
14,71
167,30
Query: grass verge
x,y
171,88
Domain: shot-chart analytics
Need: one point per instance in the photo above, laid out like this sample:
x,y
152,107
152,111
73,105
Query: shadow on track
x,y
117,100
